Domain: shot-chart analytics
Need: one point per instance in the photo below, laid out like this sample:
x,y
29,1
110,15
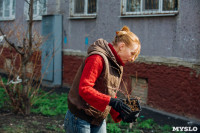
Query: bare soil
x,y
11,123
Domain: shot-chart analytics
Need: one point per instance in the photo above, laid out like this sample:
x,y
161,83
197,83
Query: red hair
x,y
129,38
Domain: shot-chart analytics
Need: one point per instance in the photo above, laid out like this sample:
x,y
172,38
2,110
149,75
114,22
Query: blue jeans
x,y
73,124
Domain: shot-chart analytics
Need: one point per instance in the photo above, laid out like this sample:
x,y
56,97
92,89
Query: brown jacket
x,y
107,83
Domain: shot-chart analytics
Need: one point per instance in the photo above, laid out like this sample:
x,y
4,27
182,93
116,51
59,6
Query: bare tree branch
x,y
11,44
27,1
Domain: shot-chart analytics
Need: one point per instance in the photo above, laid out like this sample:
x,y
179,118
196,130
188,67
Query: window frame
x,y
35,16
11,9
85,15
150,13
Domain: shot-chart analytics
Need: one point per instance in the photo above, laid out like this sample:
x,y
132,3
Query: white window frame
x,y
81,16
11,9
35,16
141,13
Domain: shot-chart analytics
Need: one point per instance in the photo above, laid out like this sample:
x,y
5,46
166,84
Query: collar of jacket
x,y
101,46
119,60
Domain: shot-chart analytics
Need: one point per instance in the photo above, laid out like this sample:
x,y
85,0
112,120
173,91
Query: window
x,y
136,8
39,9
83,8
7,9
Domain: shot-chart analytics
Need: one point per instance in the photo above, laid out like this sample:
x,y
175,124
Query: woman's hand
x,y
120,107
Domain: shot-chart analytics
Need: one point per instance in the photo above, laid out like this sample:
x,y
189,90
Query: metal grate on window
x,y
149,7
91,6
170,5
79,6
133,5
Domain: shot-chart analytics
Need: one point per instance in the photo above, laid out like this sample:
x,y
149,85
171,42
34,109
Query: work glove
x,y
120,107
132,117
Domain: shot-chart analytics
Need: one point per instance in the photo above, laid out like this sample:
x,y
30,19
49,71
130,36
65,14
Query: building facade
x,y
166,74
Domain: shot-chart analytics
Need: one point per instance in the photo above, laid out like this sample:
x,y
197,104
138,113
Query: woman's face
x,y
127,54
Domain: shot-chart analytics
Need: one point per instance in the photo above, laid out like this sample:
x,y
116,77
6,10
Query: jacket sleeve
x,y
115,115
92,69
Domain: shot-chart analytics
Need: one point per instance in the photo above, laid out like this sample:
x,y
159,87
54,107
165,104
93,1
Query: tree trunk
x,y
27,106
26,99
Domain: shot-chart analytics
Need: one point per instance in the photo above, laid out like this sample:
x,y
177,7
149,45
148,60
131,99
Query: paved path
x,y
163,118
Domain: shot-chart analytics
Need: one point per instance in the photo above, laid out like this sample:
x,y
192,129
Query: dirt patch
x,y
31,124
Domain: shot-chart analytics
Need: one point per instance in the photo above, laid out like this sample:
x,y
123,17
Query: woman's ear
x,y
121,46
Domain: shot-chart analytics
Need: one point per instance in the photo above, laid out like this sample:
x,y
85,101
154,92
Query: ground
x,y
44,124
30,124
36,123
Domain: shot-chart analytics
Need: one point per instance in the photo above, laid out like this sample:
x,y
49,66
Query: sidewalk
x,y
164,118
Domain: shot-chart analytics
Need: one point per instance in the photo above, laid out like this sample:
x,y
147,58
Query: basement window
x,y
83,9
140,89
142,8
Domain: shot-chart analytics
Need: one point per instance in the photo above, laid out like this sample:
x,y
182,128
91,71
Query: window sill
x,y
35,19
83,17
7,19
148,15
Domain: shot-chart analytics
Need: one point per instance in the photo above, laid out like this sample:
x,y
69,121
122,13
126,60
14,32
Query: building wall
x,y
171,42
171,36
173,85
166,36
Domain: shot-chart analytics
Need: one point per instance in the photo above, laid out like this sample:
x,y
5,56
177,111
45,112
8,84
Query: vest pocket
x,y
93,112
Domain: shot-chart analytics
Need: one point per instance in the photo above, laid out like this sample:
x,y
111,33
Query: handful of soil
x,y
135,107
133,104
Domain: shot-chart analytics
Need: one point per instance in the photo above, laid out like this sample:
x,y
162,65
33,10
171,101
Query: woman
x,y
93,93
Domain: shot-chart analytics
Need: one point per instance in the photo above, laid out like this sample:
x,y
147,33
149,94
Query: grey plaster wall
x,y
166,36
172,36
187,44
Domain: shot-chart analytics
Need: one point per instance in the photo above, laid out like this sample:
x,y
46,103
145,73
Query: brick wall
x,y
172,86
9,58
174,89
70,66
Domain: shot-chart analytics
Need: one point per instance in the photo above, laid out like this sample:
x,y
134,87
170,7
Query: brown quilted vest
x,y
107,83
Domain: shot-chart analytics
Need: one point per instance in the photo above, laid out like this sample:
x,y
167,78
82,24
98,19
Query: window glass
x,y
151,4
42,7
1,8
170,5
133,6
91,6
83,8
7,8
149,7
35,8
79,6
39,9
13,8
